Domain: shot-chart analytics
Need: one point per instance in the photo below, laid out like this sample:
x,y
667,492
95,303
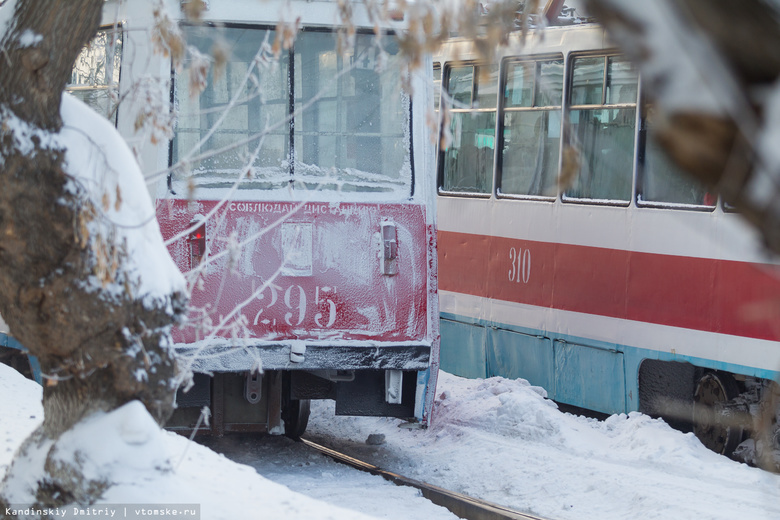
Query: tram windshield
x,y
331,121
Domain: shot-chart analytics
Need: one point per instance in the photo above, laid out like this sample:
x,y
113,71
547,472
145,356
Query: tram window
x,y
95,75
621,81
344,126
460,86
661,182
549,91
601,127
531,128
587,84
486,87
356,124
241,109
467,163
519,91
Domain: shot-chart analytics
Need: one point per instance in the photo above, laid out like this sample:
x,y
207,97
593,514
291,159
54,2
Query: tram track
x,y
460,505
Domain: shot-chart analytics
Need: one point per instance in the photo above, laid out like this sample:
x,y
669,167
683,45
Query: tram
x,y
574,255
296,192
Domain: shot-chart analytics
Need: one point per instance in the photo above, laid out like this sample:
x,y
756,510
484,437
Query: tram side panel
x,y
610,302
626,281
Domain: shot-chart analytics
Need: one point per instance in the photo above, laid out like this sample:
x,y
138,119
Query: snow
x,y
7,10
24,134
20,410
500,440
29,38
497,439
101,163
147,465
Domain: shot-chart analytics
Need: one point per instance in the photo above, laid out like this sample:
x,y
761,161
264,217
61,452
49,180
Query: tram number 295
x,y
521,265
295,300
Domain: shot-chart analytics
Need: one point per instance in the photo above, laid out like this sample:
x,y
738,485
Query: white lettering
x,y
301,304
526,266
520,270
296,300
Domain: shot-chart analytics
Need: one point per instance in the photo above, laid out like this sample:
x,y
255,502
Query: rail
x,y
460,505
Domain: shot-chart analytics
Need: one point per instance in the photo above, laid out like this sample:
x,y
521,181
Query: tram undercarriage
x,y
732,414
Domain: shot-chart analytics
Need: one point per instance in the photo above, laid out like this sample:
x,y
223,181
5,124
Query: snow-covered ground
x,y
192,474
495,439
501,441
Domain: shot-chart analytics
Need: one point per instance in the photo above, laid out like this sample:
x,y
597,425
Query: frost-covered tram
x,y
572,254
296,192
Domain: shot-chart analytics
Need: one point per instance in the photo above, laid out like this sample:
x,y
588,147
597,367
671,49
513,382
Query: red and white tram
x,y
297,194
572,254
310,238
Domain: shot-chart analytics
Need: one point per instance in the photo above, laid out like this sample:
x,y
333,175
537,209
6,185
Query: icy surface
x,y
495,439
303,470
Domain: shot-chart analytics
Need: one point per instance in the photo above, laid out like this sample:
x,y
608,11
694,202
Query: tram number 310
x,y
521,265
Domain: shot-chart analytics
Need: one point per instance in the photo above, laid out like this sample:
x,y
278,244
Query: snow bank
x,y
500,440
101,163
21,412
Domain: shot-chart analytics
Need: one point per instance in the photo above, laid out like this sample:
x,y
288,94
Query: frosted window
x,y
605,140
334,121
466,165
530,151
587,84
531,130
519,91
460,86
468,161
549,90
486,87
355,128
603,133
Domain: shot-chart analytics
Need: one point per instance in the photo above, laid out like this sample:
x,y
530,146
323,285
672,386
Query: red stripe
x,y
720,296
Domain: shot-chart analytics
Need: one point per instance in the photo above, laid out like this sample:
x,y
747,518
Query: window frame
x,y
291,102
568,107
445,82
643,136
536,59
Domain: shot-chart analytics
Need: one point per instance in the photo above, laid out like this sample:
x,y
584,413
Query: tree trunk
x,y
92,343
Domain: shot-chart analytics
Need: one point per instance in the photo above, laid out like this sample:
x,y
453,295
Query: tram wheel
x,y
296,417
715,429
